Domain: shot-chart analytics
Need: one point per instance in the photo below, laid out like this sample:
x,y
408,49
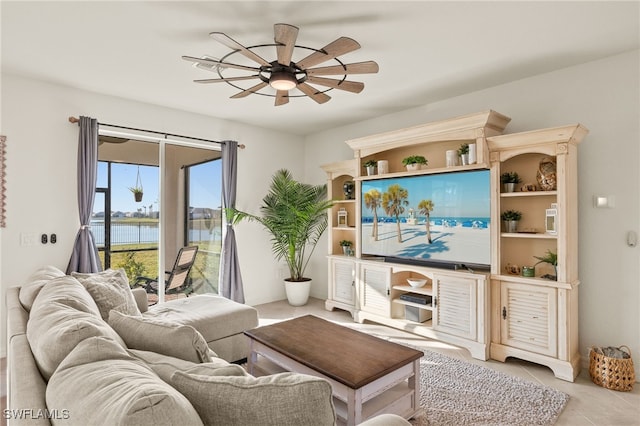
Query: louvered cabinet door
x,y
374,284
528,315
343,273
455,309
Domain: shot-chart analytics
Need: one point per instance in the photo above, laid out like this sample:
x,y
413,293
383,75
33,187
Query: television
x,y
440,220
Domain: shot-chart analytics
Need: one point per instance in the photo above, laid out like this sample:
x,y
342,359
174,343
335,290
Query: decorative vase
x,y
383,167
297,291
349,189
371,170
452,158
464,159
413,167
510,226
546,175
472,153
509,187
528,271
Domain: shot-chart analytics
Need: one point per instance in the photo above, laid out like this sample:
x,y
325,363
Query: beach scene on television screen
x,y
439,217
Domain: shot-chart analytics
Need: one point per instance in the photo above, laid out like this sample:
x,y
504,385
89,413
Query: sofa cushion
x,y
99,383
110,289
35,282
155,335
276,400
164,366
62,316
215,317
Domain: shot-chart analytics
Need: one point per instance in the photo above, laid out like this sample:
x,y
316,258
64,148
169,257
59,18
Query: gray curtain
x,y
85,253
230,277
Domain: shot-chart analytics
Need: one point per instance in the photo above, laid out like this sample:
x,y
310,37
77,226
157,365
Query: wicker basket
x,y
612,373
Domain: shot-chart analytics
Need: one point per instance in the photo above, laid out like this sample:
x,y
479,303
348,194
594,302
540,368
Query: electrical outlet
x,y
53,238
44,239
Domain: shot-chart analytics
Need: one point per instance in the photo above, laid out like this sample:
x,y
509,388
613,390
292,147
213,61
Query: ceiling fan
x,y
282,74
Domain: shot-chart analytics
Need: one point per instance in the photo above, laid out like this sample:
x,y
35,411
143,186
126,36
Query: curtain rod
x,y
76,120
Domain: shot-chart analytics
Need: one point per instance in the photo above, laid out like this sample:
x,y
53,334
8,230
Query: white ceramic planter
x,y
297,292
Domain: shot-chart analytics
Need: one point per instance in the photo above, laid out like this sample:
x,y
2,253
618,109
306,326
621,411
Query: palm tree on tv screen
x,y
426,207
372,202
393,202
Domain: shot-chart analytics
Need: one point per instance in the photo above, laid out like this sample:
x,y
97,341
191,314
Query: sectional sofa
x,y
86,350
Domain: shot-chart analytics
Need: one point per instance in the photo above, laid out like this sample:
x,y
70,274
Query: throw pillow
x,y
275,400
99,383
62,316
171,339
164,366
34,284
110,289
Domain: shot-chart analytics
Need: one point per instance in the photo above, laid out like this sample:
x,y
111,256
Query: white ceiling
x,y
426,50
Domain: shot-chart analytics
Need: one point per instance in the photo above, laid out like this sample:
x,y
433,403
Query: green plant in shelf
x,y
552,259
510,177
509,215
464,149
346,243
414,159
370,163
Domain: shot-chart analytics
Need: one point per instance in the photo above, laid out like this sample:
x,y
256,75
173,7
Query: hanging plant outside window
x,y
137,190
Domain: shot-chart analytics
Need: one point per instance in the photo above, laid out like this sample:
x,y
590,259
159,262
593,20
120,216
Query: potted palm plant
x,y
295,214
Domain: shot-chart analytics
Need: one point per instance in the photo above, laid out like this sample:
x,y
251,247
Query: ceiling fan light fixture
x,y
282,80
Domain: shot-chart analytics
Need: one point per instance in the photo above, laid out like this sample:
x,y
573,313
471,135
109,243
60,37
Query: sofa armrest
x,y
140,295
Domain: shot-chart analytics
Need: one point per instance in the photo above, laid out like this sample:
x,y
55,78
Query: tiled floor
x,y
589,404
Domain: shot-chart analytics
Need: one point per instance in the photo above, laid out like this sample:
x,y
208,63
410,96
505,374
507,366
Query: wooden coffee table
x,y
369,376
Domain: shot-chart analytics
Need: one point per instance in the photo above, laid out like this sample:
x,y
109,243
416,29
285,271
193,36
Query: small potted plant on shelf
x,y
137,193
552,259
463,152
510,220
346,246
370,166
414,162
509,181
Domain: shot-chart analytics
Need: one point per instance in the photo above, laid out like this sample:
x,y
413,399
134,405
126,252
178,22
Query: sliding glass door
x,y
179,206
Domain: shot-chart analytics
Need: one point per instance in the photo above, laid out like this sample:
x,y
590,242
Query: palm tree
x,y
393,202
372,202
426,207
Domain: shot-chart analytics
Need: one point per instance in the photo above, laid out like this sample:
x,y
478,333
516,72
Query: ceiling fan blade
x,y
221,80
349,86
367,67
335,48
285,37
314,94
232,44
219,64
282,97
250,90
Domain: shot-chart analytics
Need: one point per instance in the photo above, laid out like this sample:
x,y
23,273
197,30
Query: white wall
x,y
41,175
603,96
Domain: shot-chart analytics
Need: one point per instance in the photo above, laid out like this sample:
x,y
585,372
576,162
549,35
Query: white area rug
x,y
456,392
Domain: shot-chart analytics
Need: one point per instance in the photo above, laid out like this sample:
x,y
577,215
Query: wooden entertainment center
x,y
496,313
